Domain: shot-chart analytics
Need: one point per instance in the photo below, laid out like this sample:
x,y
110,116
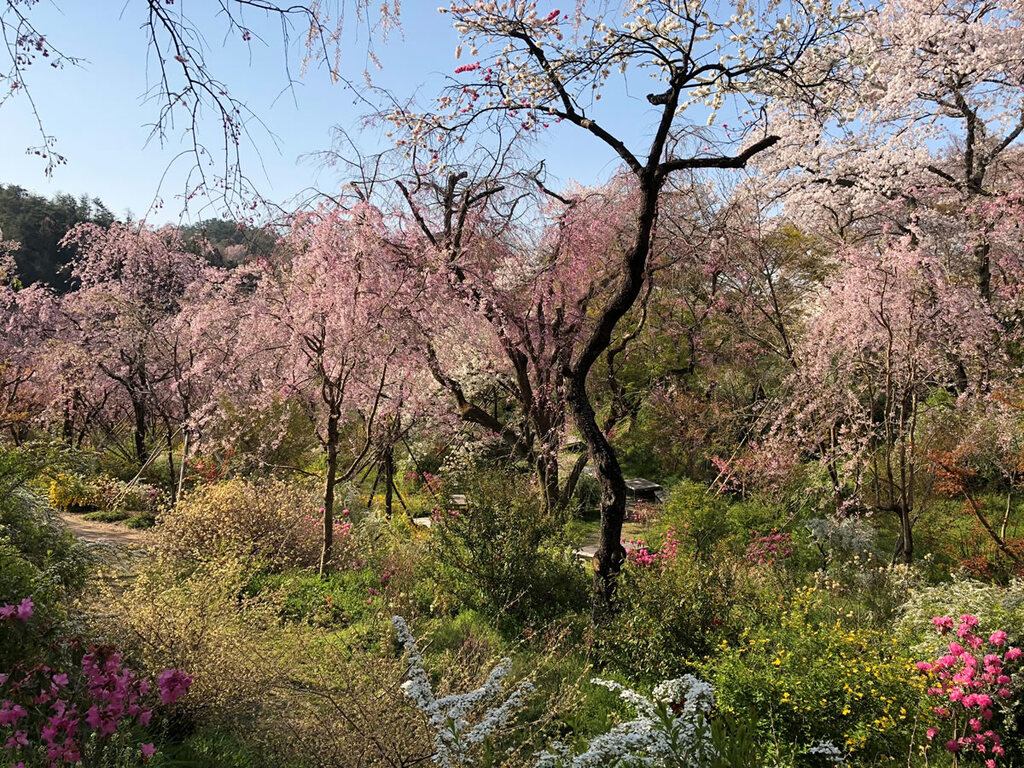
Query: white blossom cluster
x,y
455,737
848,536
829,752
671,729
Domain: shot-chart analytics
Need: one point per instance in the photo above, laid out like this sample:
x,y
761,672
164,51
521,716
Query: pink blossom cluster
x,y
47,707
765,549
437,514
23,611
643,512
340,527
970,680
663,556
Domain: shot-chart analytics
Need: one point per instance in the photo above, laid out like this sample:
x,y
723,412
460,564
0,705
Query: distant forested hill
x,y
39,224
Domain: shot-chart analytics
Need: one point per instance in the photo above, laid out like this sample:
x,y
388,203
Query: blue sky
x,y
99,114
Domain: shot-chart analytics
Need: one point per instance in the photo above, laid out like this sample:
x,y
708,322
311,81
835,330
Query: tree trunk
x,y
389,478
905,543
170,464
139,411
547,474
67,428
181,467
332,475
610,552
983,267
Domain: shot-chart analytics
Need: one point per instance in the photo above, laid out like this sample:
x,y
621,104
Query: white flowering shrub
x,y
672,728
842,538
457,740
994,605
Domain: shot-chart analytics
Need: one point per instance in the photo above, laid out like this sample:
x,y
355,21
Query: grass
x,y
107,516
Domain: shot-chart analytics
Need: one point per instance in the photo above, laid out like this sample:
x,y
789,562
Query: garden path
x,y
107,533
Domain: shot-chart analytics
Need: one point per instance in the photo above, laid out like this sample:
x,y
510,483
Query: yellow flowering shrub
x,y
812,679
72,493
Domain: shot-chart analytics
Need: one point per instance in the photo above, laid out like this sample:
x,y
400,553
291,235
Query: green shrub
x,y
202,622
212,748
503,553
39,559
675,610
106,516
339,598
700,518
142,521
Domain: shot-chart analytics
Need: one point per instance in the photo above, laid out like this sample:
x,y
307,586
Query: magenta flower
x,y
173,684
25,609
998,637
148,750
11,714
17,741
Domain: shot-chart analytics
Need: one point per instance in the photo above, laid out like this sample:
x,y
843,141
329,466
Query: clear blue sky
x,y
100,117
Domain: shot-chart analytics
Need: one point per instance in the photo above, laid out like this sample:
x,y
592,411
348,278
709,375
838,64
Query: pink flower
x,y
173,684
17,741
10,714
998,637
25,609
931,733
148,750
1012,653
942,623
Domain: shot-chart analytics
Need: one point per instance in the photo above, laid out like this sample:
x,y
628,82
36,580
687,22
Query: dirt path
x,y
107,533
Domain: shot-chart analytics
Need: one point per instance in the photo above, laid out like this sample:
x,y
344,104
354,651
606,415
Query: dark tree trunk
x,y
904,552
172,477
547,474
610,552
982,255
332,477
139,412
67,427
389,478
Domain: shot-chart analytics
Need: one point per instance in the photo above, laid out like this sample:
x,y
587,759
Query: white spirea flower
x,y
449,716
